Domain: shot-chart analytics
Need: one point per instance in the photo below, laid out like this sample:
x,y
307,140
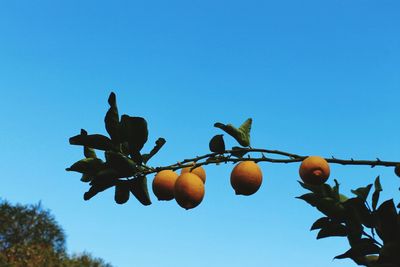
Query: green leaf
x,y
320,223
332,229
111,119
387,221
87,166
159,144
138,187
362,192
134,132
121,195
122,164
96,141
375,195
238,152
89,152
241,134
217,144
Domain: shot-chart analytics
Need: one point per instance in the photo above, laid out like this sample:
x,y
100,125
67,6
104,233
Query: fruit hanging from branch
x,y
126,168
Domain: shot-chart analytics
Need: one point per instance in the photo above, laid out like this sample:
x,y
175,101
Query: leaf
x,y
332,229
310,198
241,134
238,152
138,187
390,253
95,141
134,132
335,190
103,180
323,190
362,192
121,195
375,195
159,144
86,178
122,164
387,221
358,210
89,152
217,144
320,223
362,248
87,166
111,119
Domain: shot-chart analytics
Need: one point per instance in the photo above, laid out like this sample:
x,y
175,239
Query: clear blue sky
x,y
317,77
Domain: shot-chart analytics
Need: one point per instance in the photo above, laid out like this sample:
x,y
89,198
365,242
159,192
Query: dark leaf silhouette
x,y
217,144
375,195
134,132
332,229
238,152
96,141
87,166
387,228
362,192
320,223
102,181
159,144
111,119
122,164
122,193
138,187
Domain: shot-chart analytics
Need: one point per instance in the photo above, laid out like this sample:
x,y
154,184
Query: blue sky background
x,y
317,77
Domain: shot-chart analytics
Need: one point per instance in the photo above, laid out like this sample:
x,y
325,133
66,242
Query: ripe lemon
x,y
163,184
189,190
199,171
246,178
314,170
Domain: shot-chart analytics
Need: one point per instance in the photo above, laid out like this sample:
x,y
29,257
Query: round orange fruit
x,y
314,170
189,190
246,178
163,184
199,171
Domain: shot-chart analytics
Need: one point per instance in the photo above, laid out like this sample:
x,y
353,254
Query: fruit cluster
x,y
188,188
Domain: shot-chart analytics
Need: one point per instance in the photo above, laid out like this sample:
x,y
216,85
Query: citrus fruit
x,y
189,190
314,170
246,178
199,171
163,184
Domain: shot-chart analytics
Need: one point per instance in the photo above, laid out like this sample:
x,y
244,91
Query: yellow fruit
x,y
164,183
314,170
199,171
189,190
246,178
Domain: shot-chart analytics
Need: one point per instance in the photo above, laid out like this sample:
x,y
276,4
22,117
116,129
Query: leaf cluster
x,y
353,218
124,162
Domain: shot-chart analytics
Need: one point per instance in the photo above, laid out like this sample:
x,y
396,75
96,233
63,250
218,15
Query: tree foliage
x,y
31,237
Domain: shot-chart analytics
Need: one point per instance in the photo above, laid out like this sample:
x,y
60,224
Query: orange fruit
x,y
314,170
199,171
189,190
246,178
163,184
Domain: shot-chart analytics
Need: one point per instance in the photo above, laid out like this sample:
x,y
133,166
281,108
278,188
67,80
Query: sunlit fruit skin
x,y
163,184
314,170
189,190
199,171
246,178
